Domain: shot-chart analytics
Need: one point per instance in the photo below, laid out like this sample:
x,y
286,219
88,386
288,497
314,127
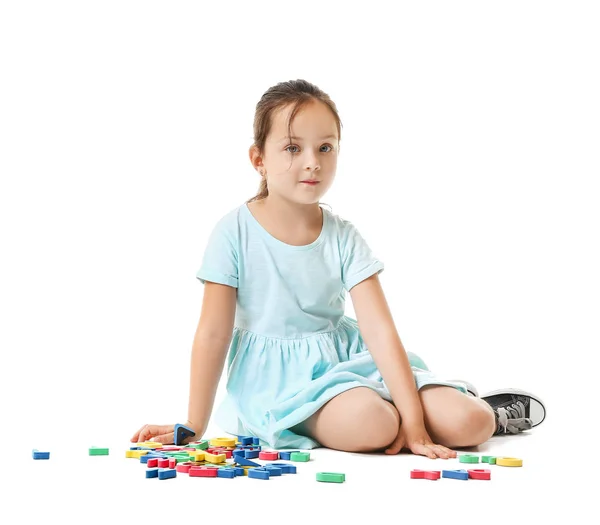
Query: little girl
x,y
301,374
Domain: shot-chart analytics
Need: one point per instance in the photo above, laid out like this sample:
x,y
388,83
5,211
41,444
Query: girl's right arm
x,y
209,350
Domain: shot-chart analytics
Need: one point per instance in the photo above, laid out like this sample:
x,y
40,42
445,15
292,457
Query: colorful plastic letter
x,y
167,473
479,473
455,474
331,477
258,473
300,456
36,454
509,462
97,451
182,432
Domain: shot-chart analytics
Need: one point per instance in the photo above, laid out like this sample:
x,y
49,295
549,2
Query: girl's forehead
x,y
312,120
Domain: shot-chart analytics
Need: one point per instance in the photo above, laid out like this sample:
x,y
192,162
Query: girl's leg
x,y
454,419
359,420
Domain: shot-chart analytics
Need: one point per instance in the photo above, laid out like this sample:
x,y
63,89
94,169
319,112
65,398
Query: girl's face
x,y
311,154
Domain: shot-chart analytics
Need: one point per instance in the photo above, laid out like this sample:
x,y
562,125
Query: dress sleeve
x,y
220,260
358,261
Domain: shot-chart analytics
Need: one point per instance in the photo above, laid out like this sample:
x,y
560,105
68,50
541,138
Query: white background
x,y
469,161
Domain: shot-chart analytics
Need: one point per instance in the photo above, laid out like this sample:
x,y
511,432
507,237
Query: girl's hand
x,y
164,434
417,440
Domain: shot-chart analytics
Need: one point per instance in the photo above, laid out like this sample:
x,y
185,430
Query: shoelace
x,y
512,419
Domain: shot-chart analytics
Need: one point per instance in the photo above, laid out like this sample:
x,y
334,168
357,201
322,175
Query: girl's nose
x,y
312,164
311,160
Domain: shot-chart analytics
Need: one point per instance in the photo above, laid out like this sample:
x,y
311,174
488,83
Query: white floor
x,y
124,138
73,487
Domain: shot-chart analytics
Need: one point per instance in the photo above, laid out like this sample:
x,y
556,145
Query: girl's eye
x,y
294,146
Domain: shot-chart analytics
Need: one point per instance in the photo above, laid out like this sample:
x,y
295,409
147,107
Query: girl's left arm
x,y
379,333
381,337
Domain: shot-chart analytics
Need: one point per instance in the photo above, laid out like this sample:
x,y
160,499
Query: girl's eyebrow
x,y
300,138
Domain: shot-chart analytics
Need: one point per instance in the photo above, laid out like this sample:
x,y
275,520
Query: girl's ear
x,y
255,158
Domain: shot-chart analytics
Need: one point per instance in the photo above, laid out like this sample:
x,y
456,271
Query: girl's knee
x,y
379,423
357,420
454,419
477,424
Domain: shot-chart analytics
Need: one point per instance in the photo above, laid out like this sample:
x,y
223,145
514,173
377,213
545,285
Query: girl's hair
x,y
296,92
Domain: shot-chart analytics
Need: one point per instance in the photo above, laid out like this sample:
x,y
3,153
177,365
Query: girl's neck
x,y
291,223
290,214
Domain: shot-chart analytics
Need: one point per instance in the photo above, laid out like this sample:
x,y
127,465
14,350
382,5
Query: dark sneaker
x,y
516,410
471,390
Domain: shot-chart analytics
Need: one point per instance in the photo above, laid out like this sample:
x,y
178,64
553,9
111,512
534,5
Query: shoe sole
x,y
519,392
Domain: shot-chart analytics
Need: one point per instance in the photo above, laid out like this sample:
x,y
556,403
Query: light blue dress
x,y
292,349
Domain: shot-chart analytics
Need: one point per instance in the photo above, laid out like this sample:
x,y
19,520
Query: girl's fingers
x,y
423,450
430,453
441,452
136,437
152,432
165,439
449,452
147,432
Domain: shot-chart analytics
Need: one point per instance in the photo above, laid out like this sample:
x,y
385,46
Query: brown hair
x,y
296,92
